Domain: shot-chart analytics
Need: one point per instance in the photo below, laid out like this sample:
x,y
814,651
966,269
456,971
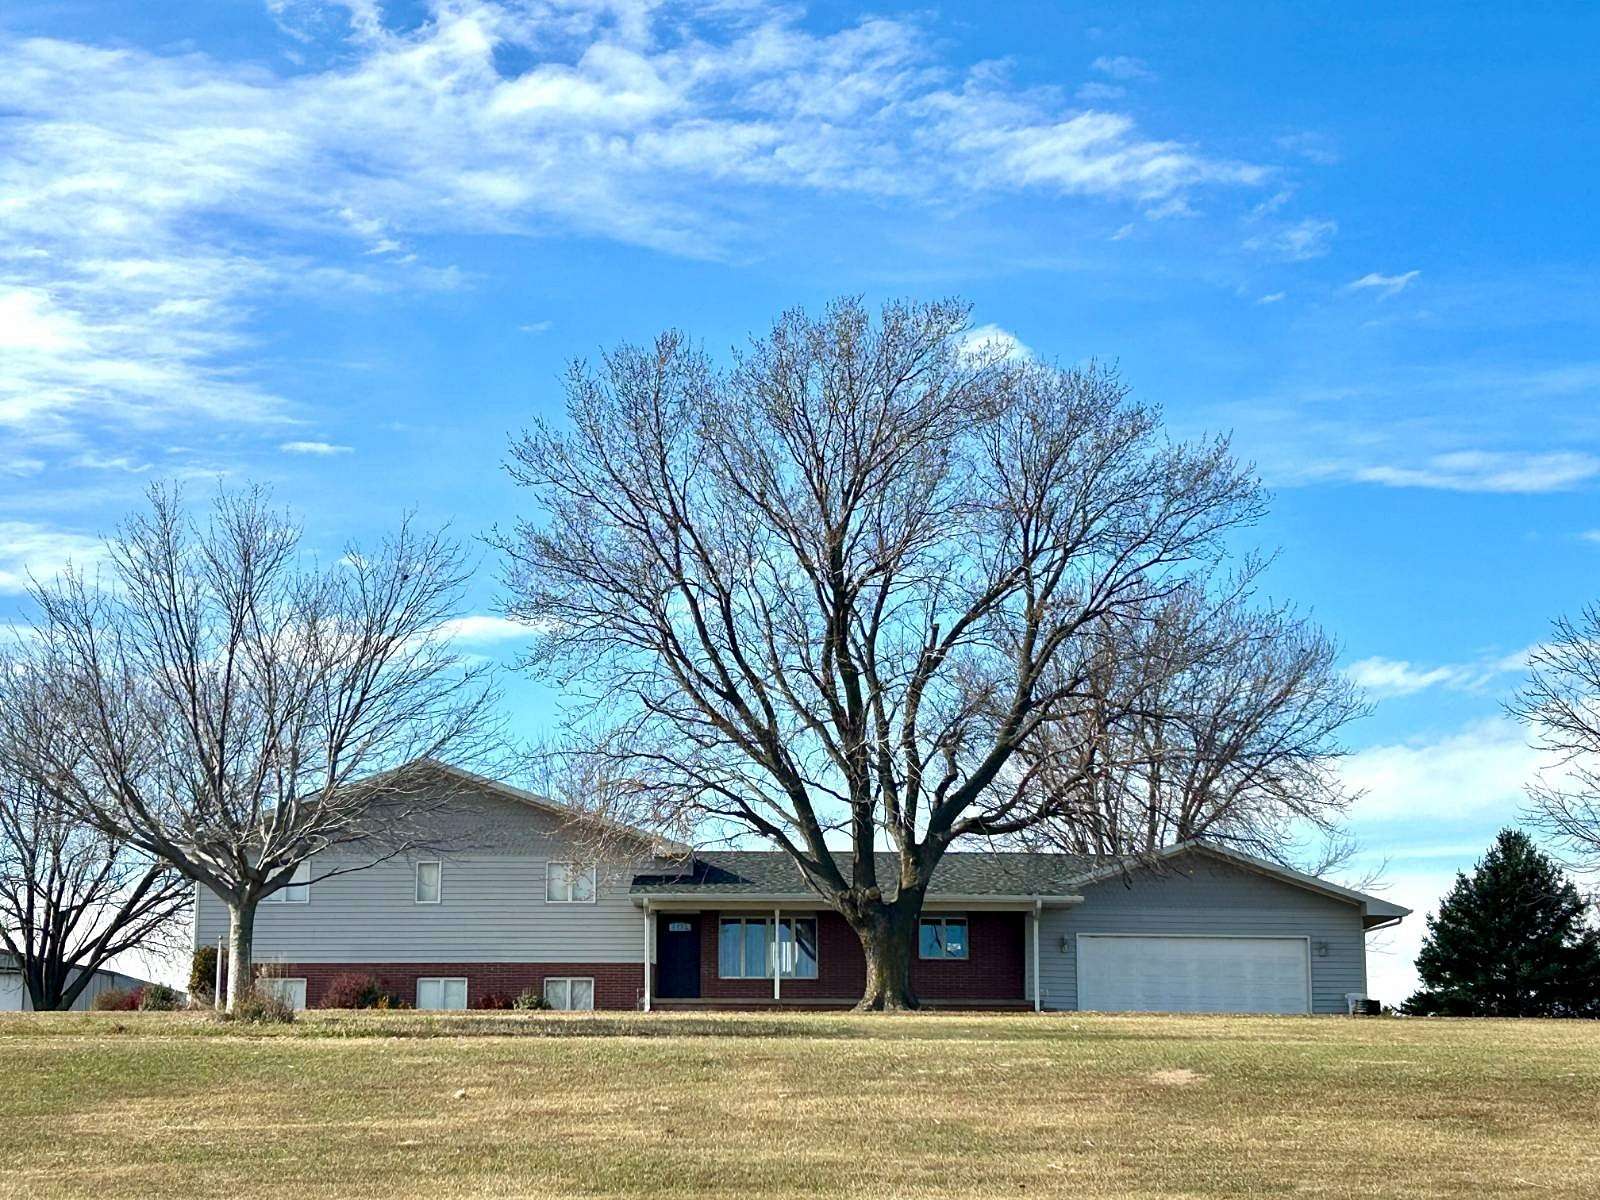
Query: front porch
x,y
797,956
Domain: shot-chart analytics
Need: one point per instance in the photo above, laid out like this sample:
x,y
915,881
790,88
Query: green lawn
x,y
399,1105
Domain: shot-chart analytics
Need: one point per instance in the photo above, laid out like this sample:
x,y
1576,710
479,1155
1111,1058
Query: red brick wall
x,y
616,985
995,968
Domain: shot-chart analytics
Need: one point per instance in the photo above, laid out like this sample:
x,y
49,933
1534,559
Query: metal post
x,y
217,999
649,931
777,954
1038,997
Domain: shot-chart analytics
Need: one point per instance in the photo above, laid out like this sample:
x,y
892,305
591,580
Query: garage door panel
x,y
1169,973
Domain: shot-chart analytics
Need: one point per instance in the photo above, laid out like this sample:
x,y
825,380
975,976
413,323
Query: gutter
x,y
643,899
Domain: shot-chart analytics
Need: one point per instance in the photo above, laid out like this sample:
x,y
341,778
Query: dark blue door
x,y
678,956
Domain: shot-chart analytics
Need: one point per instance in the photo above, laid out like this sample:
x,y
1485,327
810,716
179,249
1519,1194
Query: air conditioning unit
x,y
1358,1005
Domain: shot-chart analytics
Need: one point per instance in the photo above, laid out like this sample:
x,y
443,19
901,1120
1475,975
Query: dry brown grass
x,y
398,1105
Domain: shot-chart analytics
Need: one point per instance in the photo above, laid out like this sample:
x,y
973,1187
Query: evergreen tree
x,y
1511,940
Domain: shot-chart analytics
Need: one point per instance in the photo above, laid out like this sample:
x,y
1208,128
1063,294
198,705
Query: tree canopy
x,y
1512,939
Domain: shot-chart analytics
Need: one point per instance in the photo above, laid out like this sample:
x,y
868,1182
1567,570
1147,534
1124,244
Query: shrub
x,y
115,999
529,999
355,990
203,972
259,1006
157,997
497,1000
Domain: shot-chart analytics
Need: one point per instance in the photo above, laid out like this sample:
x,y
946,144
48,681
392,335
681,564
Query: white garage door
x,y
1193,974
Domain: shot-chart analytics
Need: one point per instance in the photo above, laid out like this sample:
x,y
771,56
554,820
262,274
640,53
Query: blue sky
x,y
346,248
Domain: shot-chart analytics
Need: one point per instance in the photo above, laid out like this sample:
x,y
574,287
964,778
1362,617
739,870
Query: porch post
x,y
649,931
777,954
1038,908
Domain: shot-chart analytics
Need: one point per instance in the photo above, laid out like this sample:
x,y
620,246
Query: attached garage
x,y
1148,973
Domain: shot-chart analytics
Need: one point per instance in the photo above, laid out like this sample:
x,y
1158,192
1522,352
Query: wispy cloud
x,y
1122,66
150,200
1385,285
39,551
482,629
1299,241
1479,770
989,339
1381,677
317,448
1485,471
1272,298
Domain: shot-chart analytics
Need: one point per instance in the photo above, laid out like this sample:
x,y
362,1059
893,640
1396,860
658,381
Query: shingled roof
x,y
774,873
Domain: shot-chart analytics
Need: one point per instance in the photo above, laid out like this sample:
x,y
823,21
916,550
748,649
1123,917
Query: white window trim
x,y
942,919
772,945
442,979
549,879
416,882
281,896
569,980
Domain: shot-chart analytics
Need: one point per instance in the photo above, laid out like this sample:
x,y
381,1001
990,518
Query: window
x,y
745,948
442,993
944,937
565,883
297,890
570,995
429,882
290,991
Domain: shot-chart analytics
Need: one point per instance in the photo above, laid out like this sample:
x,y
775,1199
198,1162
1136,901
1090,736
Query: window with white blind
x,y
568,883
570,994
430,882
442,994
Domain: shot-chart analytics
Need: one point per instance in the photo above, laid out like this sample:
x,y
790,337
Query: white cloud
x,y
1479,771
1272,298
1380,676
1486,471
1385,285
989,339
481,628
1298,242
1121,66
317,448
39,551
1100,93
1590,535
537,327
149,200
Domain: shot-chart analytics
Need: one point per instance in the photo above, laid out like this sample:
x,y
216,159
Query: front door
x,y
678,956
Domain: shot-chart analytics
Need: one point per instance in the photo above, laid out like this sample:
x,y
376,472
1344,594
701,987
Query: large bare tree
x,y
1207,716
223,703
71,897
833,591
1561,705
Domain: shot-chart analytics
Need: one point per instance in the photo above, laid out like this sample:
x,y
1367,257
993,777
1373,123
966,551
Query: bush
x,y
529,999
115,999
157,997
203,972
355,990
496,1000
259,1006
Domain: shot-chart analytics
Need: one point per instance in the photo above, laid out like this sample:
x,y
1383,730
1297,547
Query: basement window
x,y
442,994
570,995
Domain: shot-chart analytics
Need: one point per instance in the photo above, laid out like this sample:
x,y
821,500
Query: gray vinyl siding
x,y
1198,895
493,906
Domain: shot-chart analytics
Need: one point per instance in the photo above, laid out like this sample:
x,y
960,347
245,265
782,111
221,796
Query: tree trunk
x,y
241,944
888,936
